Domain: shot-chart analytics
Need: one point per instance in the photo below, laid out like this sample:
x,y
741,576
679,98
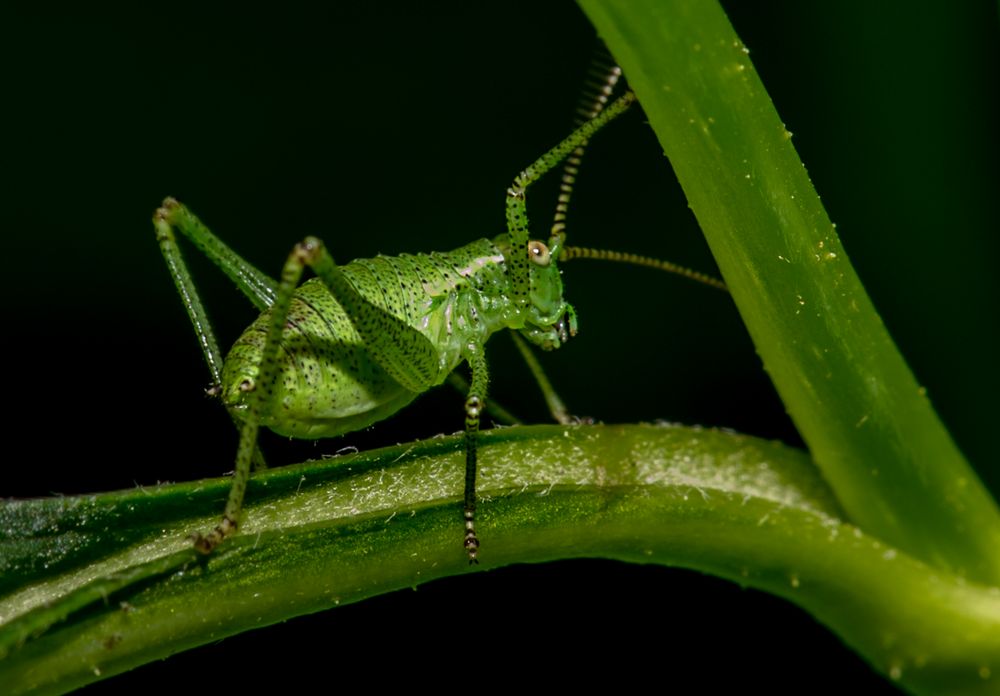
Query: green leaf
x,y
868,424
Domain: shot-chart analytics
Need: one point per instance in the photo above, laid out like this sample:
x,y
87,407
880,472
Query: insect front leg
x,y
475,402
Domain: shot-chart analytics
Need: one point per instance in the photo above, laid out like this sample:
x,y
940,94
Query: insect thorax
x,y
330,383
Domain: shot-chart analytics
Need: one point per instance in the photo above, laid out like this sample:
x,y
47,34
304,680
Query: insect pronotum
x,y
361,341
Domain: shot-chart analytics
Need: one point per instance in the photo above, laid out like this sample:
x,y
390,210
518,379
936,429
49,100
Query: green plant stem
x,y
868,424
337,531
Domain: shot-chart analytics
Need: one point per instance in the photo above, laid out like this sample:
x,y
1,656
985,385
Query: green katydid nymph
x,y
359,342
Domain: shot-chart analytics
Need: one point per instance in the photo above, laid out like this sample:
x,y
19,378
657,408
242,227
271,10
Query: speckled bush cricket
x,y
359,342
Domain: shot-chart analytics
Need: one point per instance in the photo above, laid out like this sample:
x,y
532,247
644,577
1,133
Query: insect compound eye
x,y
539,253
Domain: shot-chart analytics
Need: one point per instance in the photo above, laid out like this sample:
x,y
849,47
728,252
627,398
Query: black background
x,y
398,128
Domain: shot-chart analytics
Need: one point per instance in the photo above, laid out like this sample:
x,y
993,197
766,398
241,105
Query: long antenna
x,y
574,252
602,77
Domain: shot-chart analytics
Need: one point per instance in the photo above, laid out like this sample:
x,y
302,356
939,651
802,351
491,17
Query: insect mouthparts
x,y
562,330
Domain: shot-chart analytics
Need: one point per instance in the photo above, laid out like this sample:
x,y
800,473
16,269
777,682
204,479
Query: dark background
x,y
398,128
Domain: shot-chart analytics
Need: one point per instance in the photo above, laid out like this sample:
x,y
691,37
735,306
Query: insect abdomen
x,y
327,383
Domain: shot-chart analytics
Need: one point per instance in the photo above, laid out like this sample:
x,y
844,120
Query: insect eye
x,y
539,253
